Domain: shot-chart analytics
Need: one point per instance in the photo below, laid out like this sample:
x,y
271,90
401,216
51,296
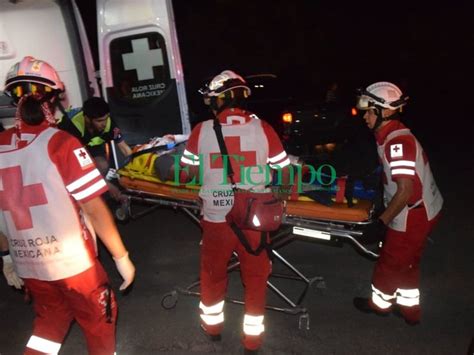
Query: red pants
x,y
85,298
218,243
396,276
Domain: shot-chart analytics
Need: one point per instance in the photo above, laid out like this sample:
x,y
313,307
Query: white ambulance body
x,y
45,30
141,70
140,65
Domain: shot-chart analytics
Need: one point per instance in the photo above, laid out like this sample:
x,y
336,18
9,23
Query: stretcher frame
x,y
295,227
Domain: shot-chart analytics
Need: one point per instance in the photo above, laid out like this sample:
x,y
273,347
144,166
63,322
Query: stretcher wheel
x,y
169,300
318,282
321,285
303,322
122,213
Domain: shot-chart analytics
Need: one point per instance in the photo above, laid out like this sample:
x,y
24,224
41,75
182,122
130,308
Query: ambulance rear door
x,y
140,68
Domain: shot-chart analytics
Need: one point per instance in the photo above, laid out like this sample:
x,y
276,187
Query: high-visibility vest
x,y
47,238
79,122
431,197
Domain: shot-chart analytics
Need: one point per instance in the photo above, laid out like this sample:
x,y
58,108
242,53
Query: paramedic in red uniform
x,y
256,144
412,206
50,206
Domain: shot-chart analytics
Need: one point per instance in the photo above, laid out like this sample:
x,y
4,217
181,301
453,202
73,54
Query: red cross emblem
x,y
17,198
82,154
237,157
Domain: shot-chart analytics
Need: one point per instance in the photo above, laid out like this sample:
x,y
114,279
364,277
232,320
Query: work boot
x,y
212,337
411,322
215,337
399,314
362,305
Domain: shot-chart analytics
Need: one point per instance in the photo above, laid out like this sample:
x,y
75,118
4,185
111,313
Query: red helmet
x,y
32,76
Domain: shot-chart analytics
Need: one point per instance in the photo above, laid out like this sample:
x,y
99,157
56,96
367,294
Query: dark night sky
x,y
353,42
428,50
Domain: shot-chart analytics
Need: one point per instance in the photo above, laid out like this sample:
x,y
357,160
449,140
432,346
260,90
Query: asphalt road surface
x,y
165,248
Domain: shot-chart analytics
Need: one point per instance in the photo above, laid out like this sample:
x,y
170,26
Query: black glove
x,y
374,232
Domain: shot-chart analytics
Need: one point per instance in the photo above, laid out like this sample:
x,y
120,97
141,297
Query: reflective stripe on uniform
x,y
83,180
190,158
90,190
402,163
216,308
380,299
213,319
408,297
278,161
403,172
212,315
277,157
284,163
253,325
43,345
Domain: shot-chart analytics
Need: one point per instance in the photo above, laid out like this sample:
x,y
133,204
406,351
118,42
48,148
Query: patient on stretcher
x,y
157,158
152,172
156,161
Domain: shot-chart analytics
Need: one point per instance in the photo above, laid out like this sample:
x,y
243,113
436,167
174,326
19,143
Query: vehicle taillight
x,y
354,111
287,117
325,148
330,147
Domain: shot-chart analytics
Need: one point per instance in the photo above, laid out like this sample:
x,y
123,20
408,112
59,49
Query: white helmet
x,y
225,81
383,95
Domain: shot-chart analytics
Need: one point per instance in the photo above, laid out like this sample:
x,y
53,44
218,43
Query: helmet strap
x,y
213,104
229,98
57,102
380,118
393,116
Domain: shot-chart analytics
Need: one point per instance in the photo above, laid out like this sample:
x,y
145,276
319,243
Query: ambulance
x,y
139,71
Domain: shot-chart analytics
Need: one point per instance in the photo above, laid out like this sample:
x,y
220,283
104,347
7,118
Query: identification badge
x,y
83,157
396,151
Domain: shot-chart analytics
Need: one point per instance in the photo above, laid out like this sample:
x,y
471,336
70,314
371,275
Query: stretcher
x,y
303,219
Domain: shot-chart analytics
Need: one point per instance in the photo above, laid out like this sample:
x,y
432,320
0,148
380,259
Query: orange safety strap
x,y
107,151
341,189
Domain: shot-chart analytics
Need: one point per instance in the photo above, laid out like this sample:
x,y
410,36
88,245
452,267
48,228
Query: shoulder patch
x,y
82,157
396,150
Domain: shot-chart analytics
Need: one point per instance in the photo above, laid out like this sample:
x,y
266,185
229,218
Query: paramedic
x,y
52,245
94,127
254,144
412,206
